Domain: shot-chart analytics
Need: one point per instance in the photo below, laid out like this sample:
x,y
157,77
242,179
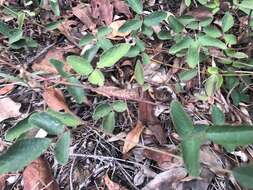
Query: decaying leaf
x,y
157,156
44,64
112,185
115,27
165,179
200,13
83,13
3,181
38,176
121,7
9,108
54,98
102,10
6,89
133,137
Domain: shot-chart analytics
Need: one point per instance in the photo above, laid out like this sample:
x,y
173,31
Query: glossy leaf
x,y
244,175
114,54
109,122
227,21
19,129
180,119
218,117
231,135
154,18
130,25
66,118
136,5
47,122
76,91
79,64
192,56
101,111
22,153
119,106
139,73
61,149
97,78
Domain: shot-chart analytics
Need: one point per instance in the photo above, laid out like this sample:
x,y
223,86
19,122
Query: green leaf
x,y
53,25
114,54
20,128
59,67
212,31
47,122
4,29
218,117
247,4
22,153
139,73
130,25
86,39
192,56
61,149
231,135
101,111
155,18
188,75
136,5
212,84
180,45
104,43
230,39
244,175
109,122
15,35
180,119
213,42
164,35
187,2
79,64
133,52
103,31
145,58
190,150
119,106
67,119
147,30
76,91
55,7
97,78
21,19
227,22
140,44
91,53
175,24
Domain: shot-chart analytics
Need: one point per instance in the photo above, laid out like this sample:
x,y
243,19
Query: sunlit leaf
x,y
79,64
97,78
119,106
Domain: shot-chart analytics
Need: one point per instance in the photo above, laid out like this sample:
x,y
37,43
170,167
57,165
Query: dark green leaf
x,y
101,111
136,5
218,117
180,119
47,122
130,25
86,39
155,18
212,31
175,24
76,91
227,22
164,35
59,67
22,153
188,75
61,149
109,122
79,64
213,42
192,56
244,175
182,44
139,73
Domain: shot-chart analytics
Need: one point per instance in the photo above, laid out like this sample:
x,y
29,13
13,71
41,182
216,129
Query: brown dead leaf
x,y
133,137
146,111
38,175
115,27
158,132
83,13
102,10
44,64
9,108
121,7
3,181
160,158
6,89
200,13
112,185
166,179
54,98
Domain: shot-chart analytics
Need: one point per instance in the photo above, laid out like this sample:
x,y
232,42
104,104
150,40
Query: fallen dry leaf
x,y
166,179
133,137
158,132
3,181
83,13
121,7
112,185
9,108
102,10
115,27
38,175
160,158
200,13
6,89
55,100
44,64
